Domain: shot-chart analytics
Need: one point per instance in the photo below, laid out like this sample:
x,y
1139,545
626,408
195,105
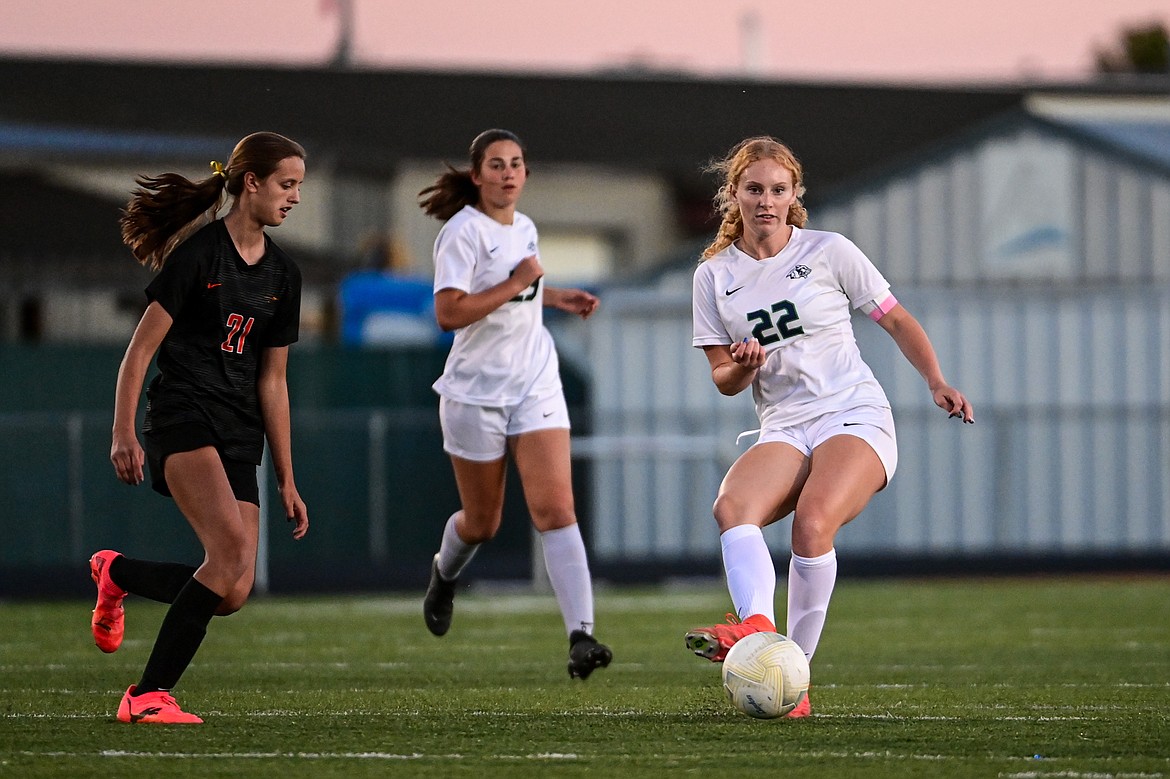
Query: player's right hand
x,y
528,270
749,353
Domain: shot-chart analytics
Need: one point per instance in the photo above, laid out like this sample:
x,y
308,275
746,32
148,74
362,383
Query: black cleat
x,y
585,654
438,604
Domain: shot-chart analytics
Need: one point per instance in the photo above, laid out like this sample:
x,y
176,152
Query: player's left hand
x,y
577,301
953,402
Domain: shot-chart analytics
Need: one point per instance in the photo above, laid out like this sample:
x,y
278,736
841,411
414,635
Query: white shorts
x,y
481,433
871,424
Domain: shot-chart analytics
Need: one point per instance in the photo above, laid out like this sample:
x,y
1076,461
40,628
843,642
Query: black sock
x,y
157,581
179,637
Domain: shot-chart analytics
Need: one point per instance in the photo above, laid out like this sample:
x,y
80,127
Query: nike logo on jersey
x,y
851,424
493,250
731,292
548,414
213,286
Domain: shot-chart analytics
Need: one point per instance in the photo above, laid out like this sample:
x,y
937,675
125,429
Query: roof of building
x,y
1146,140
369,120
1143,142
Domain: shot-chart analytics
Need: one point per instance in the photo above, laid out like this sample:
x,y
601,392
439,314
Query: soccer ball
x,y
765,675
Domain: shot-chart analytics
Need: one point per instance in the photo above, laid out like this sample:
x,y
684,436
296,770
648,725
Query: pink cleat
x,y
109,618
803,709
157,708
714,642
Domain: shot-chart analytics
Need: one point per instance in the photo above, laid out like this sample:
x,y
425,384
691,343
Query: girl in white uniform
x,y
772,305
500,391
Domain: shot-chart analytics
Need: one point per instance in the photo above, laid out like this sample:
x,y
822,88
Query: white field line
x,y
342,665
882,755
293,755
1079,774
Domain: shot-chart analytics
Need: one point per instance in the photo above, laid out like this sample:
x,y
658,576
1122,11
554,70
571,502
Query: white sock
x,y
454,554
568,573
751,576
810,586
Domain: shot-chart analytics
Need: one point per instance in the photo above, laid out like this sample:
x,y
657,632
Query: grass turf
x,y
1014,678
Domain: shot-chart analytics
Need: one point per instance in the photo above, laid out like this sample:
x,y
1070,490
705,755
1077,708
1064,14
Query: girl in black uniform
x,y
222,312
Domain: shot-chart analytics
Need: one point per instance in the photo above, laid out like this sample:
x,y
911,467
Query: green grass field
x,y
1017,678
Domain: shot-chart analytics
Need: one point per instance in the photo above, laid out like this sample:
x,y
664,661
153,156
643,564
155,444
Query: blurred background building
x,y
1027,226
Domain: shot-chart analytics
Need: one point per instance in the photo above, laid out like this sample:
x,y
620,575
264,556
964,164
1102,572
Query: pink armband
x,y
877,310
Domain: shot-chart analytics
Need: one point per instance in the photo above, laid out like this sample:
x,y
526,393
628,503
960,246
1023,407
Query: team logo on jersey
x,y
532,246
800,272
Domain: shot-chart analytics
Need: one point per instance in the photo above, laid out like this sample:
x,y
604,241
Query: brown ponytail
x,y
164,211
452,190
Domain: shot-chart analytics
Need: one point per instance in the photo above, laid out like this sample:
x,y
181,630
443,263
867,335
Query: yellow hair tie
x,y
217,170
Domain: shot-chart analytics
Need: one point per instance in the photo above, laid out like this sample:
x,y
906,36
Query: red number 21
x,y
234,321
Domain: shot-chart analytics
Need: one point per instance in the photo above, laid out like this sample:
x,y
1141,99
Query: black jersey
x,y
225,313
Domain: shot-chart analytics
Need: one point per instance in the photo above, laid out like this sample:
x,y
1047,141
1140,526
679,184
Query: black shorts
x,y
187,437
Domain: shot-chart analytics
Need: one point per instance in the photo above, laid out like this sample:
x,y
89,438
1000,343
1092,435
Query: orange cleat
x,y
109,618
803,709
158,708
713,642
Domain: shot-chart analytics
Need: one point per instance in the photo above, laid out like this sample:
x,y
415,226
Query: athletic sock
x,y
568,573
150,579
454,552
179,637
751,575
810,586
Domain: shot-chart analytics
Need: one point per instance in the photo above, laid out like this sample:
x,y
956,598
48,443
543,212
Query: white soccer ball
x,y
765,675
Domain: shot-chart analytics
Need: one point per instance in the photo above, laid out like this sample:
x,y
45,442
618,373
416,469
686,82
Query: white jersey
x,y
797,305
509,354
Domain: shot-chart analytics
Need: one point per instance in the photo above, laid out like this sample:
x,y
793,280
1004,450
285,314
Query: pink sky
x,y
869,40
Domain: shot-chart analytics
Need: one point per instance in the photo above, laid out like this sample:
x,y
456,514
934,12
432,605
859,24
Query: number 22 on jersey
x,y
769,330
